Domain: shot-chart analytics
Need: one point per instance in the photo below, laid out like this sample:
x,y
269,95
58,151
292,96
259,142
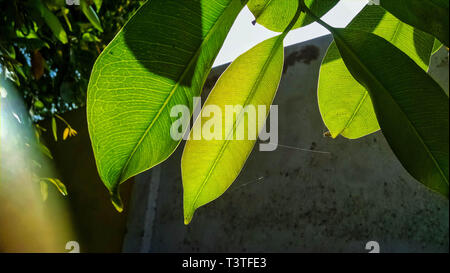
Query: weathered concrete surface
x,y
294,200
439,68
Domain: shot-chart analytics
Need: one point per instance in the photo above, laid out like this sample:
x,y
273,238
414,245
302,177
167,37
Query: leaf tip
x,y
62,188
64,39
329,134
188,214
116,201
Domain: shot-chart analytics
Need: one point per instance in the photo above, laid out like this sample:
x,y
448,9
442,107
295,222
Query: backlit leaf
x,y
160,59
412,109
209,167
345,105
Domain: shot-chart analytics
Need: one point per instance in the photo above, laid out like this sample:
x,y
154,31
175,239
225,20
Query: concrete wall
x,y
314,194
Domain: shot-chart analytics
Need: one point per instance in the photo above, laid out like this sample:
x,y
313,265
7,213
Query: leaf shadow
x,y
160,45
420,38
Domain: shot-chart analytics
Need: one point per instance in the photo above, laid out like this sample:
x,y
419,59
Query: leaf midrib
x,y
355,112
172,92
396,32
427,149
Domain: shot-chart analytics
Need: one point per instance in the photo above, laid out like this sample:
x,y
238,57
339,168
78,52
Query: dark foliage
x,y
48,48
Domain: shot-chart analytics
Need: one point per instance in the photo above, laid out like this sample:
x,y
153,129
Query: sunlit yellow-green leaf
x,y
345,105
209,166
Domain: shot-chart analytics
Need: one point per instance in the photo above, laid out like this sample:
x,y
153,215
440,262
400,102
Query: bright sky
x,y
244,35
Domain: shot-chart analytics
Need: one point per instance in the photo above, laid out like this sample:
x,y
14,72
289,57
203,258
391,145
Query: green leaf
x,y
31,40
411,107
38,104
45,150
431,16
345,105
436,46
51,20
209,167
91,15
64,12
276,14
58,184
89,37
54,129
158,60
98,4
